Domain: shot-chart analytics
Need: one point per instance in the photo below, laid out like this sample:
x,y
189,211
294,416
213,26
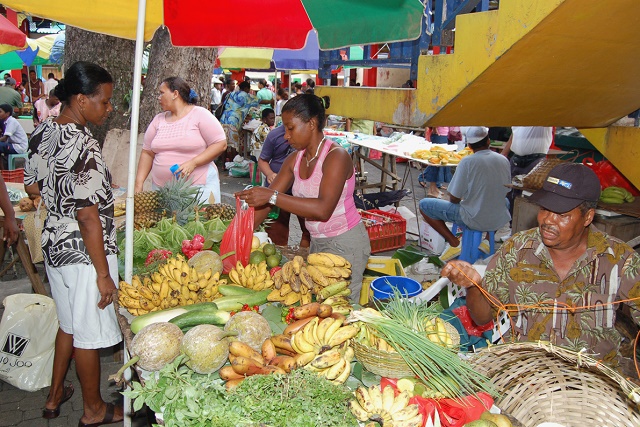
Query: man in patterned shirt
x,y
562,281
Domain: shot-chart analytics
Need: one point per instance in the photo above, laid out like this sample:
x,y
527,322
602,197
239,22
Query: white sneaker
x,y
485,247
450,252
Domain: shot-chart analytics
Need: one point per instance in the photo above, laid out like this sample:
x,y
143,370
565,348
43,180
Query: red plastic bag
x,y
609,176
238,238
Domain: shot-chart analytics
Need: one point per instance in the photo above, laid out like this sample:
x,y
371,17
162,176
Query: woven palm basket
x,y
391,365
540,383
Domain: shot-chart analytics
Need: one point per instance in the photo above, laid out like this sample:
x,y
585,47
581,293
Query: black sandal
x,y
50,414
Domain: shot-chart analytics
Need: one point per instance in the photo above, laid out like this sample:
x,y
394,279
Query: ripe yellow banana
x,y
342,378
316,275
302,344
388,397
406,413
334,371
363,397
326,360
320,258
343,334
323,325
357,411
303,359
298,262
337,260
400,402
376,396
331,330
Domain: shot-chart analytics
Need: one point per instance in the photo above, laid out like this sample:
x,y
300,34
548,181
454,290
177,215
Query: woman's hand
x,y
461,273
256,196
11,231
187,167
271,177
108,291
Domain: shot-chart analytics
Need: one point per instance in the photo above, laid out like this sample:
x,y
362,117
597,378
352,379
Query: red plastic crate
x,y
16,175
386,230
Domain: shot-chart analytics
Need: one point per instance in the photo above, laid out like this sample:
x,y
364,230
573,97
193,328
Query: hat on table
x,y
566,187
476,134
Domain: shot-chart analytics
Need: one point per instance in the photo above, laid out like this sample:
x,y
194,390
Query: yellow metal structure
x,y
530,63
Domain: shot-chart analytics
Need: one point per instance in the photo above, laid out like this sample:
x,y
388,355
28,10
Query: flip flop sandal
x,y
50,414
107,419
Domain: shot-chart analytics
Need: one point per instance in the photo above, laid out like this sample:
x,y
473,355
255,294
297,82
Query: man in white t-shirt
x,y
14,140
528,145
216,94
50,84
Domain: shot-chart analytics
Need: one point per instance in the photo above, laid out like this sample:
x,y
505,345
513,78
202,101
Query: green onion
x,y
439,368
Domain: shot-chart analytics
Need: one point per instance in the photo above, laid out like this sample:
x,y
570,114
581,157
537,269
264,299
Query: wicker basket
x,y
391,365
385,364
542,383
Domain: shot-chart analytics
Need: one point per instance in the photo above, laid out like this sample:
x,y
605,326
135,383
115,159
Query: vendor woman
x,y
323,180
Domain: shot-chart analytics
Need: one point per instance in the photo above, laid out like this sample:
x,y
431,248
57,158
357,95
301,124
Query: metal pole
x,y
133,143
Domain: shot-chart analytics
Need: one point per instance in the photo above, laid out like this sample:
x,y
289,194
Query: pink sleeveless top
x,y
345,216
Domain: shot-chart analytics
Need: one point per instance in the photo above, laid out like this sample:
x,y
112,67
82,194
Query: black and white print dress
x,y
66,162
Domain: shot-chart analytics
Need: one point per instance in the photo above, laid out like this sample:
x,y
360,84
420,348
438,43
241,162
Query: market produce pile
x,y
275,341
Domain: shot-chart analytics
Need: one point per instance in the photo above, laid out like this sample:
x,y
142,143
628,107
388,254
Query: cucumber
x,y
154,317
233,290
205,316
235,302
200,306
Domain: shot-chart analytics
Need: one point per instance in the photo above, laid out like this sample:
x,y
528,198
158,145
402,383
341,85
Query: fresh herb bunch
x,y
301,399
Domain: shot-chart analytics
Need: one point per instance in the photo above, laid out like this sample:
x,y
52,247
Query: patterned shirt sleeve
x,y
630,284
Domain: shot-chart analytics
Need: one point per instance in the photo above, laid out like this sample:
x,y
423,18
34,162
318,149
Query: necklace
x,y
317,151
74,119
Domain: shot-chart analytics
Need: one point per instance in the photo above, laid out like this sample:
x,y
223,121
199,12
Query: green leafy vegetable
x,y
186,399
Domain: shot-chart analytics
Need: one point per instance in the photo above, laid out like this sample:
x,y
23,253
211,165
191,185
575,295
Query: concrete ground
x,y
24,409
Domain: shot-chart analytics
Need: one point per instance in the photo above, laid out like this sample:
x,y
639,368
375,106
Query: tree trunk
x,y
194,65
116,55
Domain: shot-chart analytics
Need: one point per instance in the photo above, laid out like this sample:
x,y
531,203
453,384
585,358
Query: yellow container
x,y
387,265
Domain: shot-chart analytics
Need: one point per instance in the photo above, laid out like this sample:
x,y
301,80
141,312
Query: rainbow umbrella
x,y
339,23
11,38
37,52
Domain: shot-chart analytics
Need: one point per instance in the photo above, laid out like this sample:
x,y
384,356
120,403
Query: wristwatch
x,y
274,198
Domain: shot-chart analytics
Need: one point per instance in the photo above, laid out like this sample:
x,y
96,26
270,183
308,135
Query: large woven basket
x,y
391,365
540,383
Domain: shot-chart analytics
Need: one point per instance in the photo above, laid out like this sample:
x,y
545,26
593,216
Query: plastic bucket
x,y
383,287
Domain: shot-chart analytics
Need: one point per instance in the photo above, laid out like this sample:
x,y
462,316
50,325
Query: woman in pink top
x,y
186,135
323,181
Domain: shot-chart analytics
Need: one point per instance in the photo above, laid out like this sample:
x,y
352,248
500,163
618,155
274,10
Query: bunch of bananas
x,y
385,407
293,283
327,269
119,209
616,195
368,337
322,344
174,284
339,301
436,331
253,276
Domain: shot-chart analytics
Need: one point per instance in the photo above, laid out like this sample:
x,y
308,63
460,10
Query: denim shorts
x,y
441,209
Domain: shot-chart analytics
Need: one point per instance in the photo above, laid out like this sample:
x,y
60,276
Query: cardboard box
x,y
430,239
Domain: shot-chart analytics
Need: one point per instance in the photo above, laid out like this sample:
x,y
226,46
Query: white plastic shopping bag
x,y
27,339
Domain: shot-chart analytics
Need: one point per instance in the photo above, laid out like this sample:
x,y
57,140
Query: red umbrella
x,y
11,38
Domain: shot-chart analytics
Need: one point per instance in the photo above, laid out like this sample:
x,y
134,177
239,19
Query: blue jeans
x,y
441,209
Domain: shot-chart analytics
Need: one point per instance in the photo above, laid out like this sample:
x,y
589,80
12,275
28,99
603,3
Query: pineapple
x,y
178,197
146,219
146,201
223,211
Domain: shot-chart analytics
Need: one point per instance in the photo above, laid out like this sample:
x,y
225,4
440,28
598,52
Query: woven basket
x,y
534,179
542,383
391,365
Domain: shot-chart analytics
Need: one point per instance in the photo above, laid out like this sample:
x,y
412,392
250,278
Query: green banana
x,y
612,200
